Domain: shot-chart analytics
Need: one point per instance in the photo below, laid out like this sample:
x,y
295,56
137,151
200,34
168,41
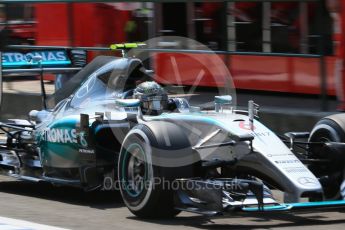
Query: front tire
x,y
328,130
144,182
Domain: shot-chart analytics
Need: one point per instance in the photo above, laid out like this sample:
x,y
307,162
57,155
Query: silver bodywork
x,y
224,135
269,156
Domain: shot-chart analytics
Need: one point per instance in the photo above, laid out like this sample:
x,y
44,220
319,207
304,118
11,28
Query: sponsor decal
x,y
287,161
246,125
48,57
262,134
296,169
279,154
87,151
64,136
307,181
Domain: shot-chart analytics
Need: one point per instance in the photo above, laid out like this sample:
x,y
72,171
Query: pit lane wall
x,y
279,120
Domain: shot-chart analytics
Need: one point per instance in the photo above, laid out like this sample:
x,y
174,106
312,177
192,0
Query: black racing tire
x,y
153,200
328,129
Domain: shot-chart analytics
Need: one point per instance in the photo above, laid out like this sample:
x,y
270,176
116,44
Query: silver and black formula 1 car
x,y
113,124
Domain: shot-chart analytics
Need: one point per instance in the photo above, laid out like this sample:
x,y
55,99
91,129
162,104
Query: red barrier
x,y
93,24
280,74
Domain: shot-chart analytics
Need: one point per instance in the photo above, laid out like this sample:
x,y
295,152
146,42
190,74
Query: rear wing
x,y
35,62
27,60
54,59
20,61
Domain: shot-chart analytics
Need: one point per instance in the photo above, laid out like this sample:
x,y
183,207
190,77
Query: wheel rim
x,y
134,170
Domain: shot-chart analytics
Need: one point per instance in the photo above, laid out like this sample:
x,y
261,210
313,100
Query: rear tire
x,y
328,130
141,148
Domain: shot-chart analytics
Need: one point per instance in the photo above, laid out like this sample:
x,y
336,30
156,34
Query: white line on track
x,y
14,224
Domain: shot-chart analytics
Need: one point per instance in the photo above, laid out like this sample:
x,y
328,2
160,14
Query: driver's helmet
x,y
152,96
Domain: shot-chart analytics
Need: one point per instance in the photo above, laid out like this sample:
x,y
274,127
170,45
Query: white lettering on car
x,y
9,57
64,136
61,56
260,134
51,57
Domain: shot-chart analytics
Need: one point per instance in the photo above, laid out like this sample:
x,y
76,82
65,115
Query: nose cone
x,y
275,160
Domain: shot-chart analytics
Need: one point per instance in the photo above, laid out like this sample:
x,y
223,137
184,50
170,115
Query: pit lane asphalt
x,y
74,209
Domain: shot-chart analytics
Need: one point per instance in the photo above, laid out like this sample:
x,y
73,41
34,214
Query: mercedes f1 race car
x,y
112,125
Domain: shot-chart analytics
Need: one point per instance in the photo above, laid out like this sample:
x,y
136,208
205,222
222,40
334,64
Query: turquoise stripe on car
x,y
290,206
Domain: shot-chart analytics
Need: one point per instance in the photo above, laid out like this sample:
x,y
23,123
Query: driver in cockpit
x,y
154,99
